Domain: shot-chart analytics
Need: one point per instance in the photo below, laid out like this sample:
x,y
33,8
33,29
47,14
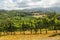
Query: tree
x,y
40,24
1,28
8,26
53,22
32,25
11,27
46,23
24,27
57,25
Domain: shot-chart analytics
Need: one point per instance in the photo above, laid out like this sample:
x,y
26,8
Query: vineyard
x,y
24,23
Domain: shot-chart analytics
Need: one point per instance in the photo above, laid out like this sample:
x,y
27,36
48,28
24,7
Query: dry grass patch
x,y
31,37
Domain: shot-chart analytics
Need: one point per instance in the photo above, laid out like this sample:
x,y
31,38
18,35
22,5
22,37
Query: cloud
x,y
7,4
43,3
22,4
57,4
36,0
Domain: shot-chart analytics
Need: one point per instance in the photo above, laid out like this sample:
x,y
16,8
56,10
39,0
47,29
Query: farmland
x,y
16,25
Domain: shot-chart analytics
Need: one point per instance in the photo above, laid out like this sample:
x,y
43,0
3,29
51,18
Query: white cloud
x,y
43,3
7,4
22,4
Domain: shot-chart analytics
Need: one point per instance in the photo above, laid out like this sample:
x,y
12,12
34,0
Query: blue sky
x,y
27,4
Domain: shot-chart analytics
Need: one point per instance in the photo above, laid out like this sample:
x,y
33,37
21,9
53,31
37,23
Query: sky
x,y
28,4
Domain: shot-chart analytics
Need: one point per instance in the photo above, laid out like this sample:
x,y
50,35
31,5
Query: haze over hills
x,y
51,9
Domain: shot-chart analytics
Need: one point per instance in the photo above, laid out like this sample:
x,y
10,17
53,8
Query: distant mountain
x,y
57,9
50,9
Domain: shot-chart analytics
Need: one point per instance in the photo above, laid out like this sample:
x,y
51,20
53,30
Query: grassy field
x,y
49,36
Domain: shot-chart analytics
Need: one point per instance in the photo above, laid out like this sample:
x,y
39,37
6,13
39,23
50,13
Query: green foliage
x,y
22,21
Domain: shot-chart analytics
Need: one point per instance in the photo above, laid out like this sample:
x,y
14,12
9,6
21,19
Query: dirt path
x,y
29,37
